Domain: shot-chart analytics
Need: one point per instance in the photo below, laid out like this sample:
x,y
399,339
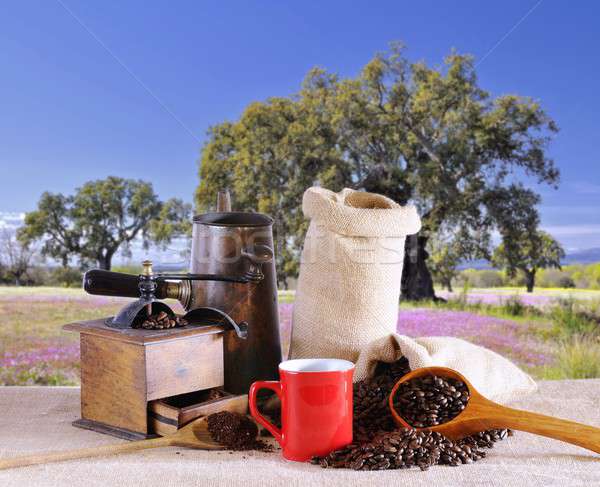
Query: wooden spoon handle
x,y
60,456
539,424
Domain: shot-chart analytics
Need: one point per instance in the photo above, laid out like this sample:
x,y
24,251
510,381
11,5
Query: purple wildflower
x,y
506,337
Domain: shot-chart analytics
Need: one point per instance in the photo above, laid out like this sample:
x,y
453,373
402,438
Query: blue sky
x,y
70,111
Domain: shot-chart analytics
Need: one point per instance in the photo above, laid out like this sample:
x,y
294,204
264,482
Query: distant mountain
x,y
588,256
478,264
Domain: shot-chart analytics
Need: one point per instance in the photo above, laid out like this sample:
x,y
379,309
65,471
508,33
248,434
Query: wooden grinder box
x,y
123,370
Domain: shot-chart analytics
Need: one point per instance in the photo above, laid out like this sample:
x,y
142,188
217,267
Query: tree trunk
x,y
530,280
416,278
449,285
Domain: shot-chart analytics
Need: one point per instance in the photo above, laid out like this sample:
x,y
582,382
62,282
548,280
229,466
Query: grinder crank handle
x,y
107,283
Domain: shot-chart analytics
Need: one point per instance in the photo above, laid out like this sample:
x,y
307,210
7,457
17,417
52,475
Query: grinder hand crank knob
x,y
147,268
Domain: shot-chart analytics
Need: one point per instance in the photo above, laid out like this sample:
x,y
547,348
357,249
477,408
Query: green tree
x,y
414,133
528,253
524,247
102,217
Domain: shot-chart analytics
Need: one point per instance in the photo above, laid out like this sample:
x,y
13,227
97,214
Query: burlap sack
x,y
348,290
491,374
351,266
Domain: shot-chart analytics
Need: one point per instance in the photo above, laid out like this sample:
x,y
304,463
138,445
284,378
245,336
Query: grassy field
x,y
551,333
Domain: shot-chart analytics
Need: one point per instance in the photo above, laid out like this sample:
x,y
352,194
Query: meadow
x,y
552,333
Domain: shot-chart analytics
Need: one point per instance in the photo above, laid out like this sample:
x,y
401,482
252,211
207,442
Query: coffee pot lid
x,y
224,217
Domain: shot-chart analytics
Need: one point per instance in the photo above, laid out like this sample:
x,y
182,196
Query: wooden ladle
x,y
481,414
193,435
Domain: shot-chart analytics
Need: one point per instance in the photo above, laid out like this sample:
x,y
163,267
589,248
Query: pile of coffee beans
x,y
401,448
379,444
371,411
235,431
160,321
430,400
405,448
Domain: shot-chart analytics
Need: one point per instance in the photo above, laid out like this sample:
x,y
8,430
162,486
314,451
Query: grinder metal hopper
x,y
149,285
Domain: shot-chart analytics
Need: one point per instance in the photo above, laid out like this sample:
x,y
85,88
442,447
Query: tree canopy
x,y
102,217
427,135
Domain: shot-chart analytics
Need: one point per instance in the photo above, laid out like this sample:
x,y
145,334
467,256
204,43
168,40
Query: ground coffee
x,y
430,400
235,431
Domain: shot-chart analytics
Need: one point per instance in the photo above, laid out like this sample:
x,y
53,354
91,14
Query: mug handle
x,y
275,386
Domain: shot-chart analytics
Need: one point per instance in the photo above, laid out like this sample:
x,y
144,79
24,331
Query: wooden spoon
x,y
482,414
193,435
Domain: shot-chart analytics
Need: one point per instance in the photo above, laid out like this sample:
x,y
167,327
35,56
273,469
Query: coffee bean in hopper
x,y
159,321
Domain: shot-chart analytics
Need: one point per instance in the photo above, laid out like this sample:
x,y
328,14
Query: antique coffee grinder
x,y
230,340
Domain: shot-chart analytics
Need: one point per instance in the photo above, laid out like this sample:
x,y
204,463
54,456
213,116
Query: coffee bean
x,y
160,321
379,445
433,400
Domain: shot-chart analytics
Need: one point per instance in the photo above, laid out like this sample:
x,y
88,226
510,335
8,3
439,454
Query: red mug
x,y
316,406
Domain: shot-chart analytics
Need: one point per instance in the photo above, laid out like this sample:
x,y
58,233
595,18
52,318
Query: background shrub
x,y
555,278
578,358
65,277
481,278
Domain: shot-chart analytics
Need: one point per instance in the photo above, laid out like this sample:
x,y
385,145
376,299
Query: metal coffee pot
x,y
232,283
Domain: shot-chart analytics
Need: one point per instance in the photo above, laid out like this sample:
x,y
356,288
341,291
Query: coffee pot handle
x,y
257,255
275,386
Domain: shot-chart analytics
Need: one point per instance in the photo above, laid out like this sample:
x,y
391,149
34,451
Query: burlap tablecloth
x,y
39,419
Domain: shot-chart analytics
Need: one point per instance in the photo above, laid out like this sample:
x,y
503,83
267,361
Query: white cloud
x,y
576,236
11,220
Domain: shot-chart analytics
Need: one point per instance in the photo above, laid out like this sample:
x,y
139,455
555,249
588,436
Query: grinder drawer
x,y
179,366
165,416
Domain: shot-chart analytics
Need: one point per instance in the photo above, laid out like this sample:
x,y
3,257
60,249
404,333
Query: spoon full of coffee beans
x,y
441,399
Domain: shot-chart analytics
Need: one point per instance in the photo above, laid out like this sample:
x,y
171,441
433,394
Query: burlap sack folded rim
x,y
359,214
492,374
